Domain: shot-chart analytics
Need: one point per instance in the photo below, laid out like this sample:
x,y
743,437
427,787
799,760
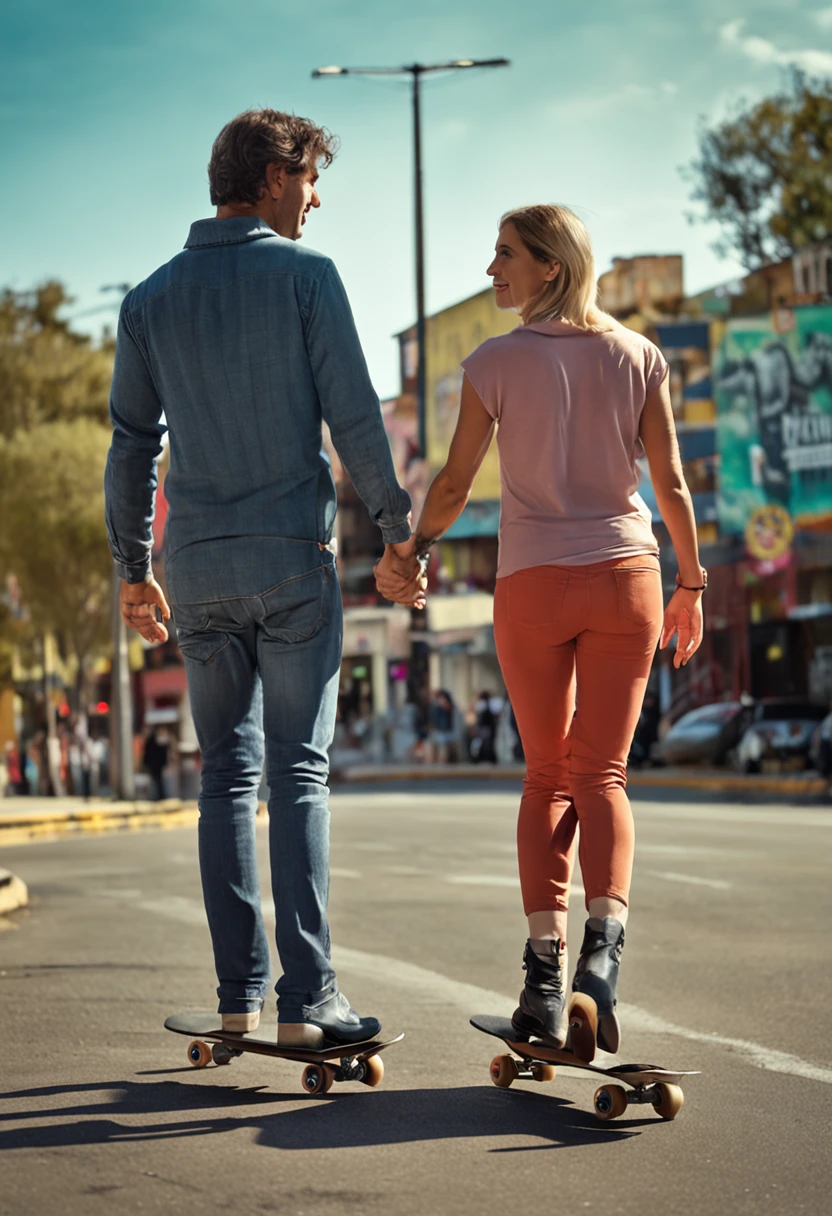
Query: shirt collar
x,y
559,329
227,232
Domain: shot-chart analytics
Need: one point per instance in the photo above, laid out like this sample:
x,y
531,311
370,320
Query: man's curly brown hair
x,y
257,138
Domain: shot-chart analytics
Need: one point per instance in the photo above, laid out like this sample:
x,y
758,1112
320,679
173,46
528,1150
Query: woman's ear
x,y
553,272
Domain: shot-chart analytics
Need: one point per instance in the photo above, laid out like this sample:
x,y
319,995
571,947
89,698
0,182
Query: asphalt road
x,y
727,970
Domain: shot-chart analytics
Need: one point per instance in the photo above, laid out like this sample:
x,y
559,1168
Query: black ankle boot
x,y
542,1010
596,976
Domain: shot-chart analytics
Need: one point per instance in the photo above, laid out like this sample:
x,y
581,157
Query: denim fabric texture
x,y
263,674
239,347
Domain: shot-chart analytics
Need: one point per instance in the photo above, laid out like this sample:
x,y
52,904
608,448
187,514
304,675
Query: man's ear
x,y
275,179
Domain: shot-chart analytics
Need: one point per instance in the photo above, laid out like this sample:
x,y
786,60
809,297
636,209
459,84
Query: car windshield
x,y
782,711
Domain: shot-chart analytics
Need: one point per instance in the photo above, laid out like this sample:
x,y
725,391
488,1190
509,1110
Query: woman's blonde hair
x,y
555,234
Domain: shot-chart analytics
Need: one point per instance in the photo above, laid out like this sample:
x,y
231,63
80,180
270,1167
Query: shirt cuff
x,y
132,572
396,534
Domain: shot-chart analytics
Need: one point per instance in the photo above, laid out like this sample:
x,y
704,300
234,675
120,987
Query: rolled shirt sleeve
x,y
130,479
351,408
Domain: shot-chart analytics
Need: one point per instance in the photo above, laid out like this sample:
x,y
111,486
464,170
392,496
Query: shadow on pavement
x,y
346,1119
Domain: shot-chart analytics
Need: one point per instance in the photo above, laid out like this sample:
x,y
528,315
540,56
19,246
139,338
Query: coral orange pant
x,y
575,645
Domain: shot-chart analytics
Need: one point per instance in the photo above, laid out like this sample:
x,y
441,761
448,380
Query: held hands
x,y
138,603
683,616
400,575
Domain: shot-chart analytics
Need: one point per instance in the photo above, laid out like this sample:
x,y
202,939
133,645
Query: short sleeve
x,y
655,367
480,368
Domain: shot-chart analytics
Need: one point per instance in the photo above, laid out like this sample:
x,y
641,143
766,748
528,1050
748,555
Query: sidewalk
x,y
25,819
712,780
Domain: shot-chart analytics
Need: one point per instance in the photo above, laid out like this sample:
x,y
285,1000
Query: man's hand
x,y
138,603
400,576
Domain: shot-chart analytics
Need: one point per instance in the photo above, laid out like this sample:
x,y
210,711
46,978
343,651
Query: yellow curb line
x,y
756,785
74,823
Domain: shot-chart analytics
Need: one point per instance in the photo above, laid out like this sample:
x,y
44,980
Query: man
x,y
238,347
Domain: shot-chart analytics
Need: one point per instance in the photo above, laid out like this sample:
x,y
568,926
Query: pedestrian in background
x,y
576,398
441,733
155,761
240,347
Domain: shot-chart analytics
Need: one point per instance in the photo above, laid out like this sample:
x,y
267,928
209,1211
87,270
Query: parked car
x,y
820,749
780,729
706,735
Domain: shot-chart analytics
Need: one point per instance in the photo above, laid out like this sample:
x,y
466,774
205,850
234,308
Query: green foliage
x,y
765,175
47,373
54,437
52,533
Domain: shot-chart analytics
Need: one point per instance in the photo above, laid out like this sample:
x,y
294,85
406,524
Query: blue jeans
x,y
263,680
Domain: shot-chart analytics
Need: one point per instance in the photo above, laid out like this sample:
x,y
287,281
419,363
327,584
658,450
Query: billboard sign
x,y
773,389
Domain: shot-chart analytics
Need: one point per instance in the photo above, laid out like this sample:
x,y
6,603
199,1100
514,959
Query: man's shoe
x,y
329,1024
241,1023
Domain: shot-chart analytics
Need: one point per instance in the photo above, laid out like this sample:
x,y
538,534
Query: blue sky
x,y
109,111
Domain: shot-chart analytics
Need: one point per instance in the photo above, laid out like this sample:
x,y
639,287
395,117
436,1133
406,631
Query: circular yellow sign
x,y
769,532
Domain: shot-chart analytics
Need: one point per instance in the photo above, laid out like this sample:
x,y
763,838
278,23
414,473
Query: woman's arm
x,y
451,487
658,435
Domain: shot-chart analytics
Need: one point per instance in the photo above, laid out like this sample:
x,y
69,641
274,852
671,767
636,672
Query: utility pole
x,y
122,770
416,71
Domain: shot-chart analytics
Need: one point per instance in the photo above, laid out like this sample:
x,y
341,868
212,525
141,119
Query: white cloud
x,y
823,17
596,105
765,52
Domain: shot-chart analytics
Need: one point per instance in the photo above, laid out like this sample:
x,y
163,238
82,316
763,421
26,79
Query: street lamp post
x,y
416,71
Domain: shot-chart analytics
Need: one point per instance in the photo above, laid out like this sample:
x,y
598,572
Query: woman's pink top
x,y
568,405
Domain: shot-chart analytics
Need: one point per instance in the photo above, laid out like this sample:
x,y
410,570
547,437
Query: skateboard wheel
x,y
373,1071
199,1054
317,1079
541,1071
610,1101
221,1053
668,1101
503,1071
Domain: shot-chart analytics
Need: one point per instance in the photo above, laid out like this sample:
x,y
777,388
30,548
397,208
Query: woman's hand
x,y
683,616
400,575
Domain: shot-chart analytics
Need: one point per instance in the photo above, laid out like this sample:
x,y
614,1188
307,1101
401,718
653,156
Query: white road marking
x,y
716,884
693,850
430,987
336,872
433,987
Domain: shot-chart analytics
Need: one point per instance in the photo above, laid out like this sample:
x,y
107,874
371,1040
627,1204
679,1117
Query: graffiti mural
x,y
773,388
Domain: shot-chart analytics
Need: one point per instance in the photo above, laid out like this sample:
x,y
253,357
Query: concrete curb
x,y
14,893
22,827
710,781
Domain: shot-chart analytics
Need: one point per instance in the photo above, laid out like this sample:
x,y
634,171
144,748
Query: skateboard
x,y
649,1084
346,1062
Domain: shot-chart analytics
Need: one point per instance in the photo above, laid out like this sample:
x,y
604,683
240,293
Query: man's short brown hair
x,y
257,138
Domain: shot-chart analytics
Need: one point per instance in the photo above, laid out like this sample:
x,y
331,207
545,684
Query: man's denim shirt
x,y
239,346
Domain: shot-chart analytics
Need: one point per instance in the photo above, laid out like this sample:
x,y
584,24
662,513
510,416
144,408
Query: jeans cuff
x,y
240,1004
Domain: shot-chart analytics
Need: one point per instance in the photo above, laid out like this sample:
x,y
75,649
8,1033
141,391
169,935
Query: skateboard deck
x,y
649,1084
346,1062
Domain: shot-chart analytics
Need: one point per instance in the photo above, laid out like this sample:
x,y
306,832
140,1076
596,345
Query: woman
x,y
575,398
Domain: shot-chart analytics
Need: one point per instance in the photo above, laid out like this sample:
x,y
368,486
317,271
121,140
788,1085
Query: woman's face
x,y
518,275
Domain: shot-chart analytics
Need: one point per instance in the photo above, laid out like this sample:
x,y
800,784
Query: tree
x,y
47,372
765,175
52,533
